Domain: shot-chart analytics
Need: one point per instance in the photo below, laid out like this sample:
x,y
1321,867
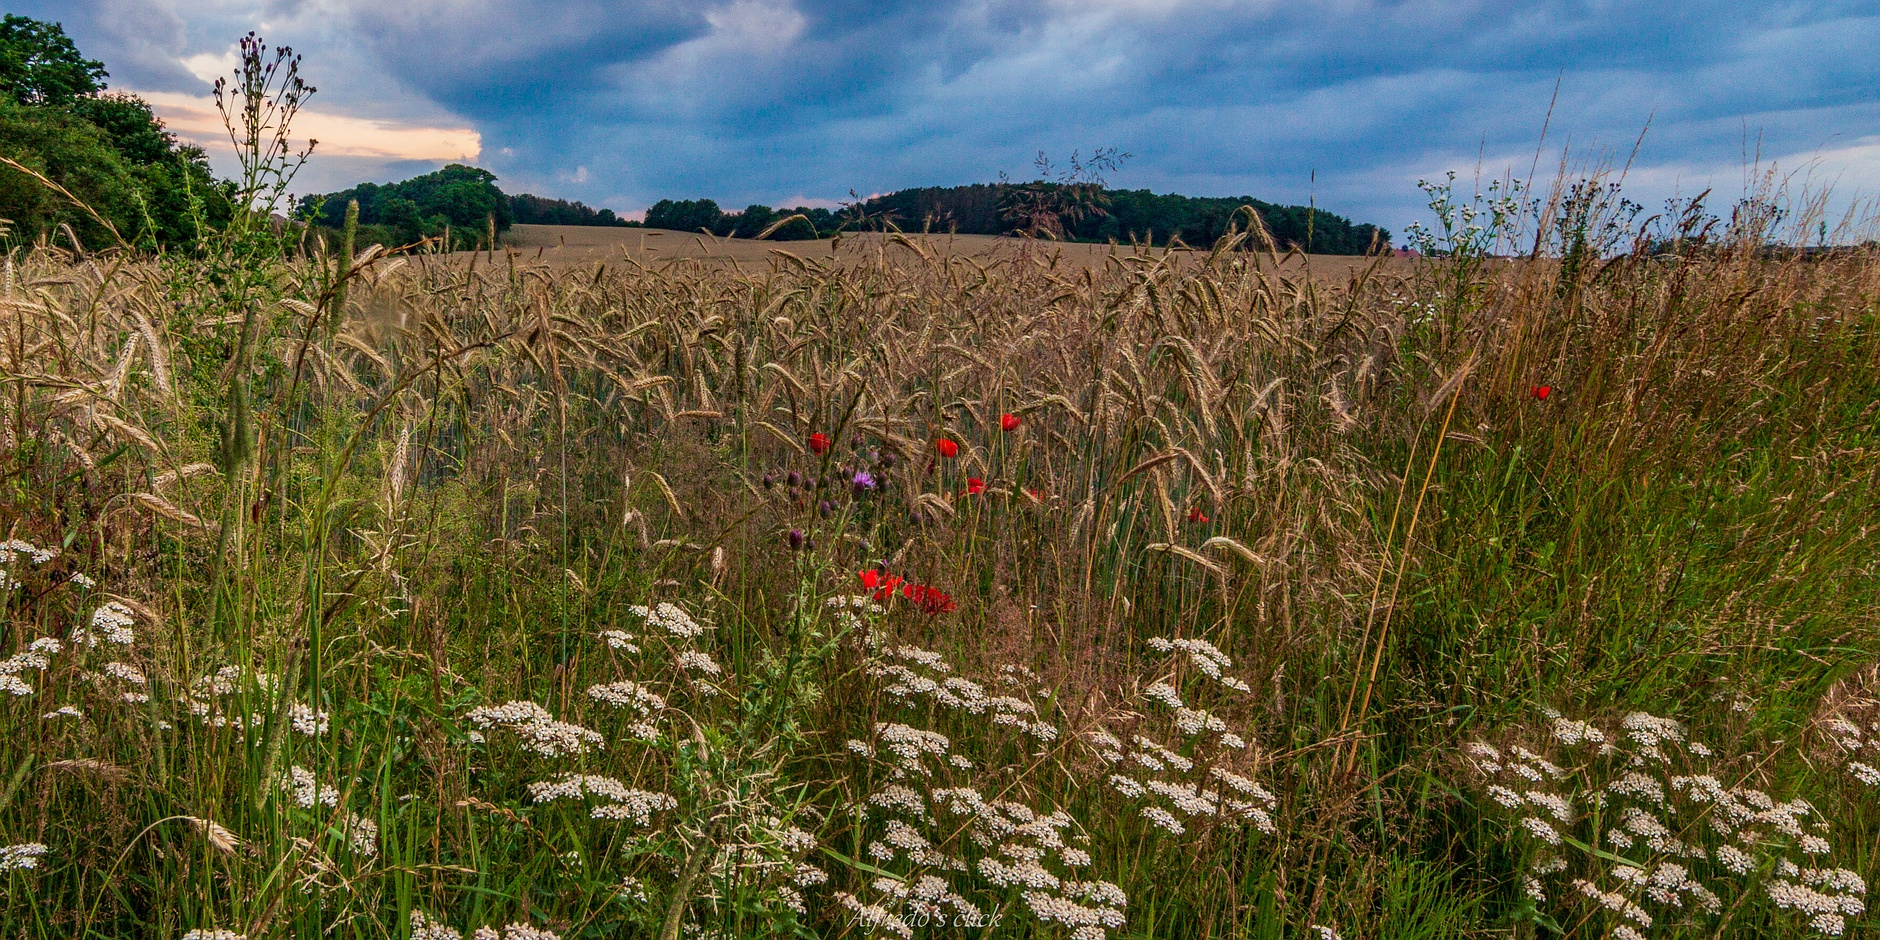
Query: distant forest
x,y
541,210
1125,216
461,203
1128,215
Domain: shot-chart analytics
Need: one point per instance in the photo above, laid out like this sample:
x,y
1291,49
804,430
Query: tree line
x,y
123,175
459,207
1101,215
1121,215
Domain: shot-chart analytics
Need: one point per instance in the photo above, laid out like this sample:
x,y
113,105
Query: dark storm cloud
x,y
748,100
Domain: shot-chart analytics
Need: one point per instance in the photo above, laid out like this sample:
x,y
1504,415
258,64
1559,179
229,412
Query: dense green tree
x,y
753,220
109,151
73,153
692,215
40,66
460,199
688,215
526,209
817,223
133,128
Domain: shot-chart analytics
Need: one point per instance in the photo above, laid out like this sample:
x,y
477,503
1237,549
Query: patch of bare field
x,y
576,245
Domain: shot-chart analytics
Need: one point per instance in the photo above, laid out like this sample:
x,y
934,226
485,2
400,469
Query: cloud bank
x,y
1344,102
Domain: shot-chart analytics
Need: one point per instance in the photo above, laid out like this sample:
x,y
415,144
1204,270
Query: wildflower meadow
x,y
1525,589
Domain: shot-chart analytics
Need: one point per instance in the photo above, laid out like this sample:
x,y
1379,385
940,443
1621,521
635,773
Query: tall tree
x,y
40,66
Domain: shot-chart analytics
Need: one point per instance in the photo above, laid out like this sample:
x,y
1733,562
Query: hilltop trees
x,y
692,215
525,209
106,149
1126,215
459,199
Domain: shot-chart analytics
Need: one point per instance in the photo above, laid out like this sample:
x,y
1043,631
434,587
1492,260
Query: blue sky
x,y
1346,102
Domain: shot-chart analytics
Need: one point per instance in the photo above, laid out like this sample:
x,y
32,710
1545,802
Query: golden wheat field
x,y
585,244
904,590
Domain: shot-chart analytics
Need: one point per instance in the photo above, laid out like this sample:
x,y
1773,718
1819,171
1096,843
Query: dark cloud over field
x,y
763,100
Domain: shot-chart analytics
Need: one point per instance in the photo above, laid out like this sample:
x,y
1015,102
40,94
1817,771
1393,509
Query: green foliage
x,y
75,154
1136,215
694,215
687,215
457,198
39,65
109,151
526,209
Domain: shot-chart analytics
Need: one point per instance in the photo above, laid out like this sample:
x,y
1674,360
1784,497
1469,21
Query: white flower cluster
x,y
22,856
110,623
925,675
14,549
38,657
1164,693
1206,657
628,694
1615,901
695,661
362,834
1827,896
619,640
308,721
627,803
27,550
1573,733
1656,809
307,791
909,744
514,932
538,729
1051,908
1244,799
125,672
1858,747
213,933
424,928
671,618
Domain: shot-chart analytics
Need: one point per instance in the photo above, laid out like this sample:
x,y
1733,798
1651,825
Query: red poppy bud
x,y
819,442
1009,422
947,448
1541,392
975,486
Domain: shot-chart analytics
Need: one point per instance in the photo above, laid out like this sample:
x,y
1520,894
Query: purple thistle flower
x,y
862,482
796,539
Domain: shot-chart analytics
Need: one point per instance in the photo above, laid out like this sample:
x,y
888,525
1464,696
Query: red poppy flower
x,y
1009,422
1036,495
888,585
871,579
819,442
975,486
947,448
1196,515
931,600
1541,392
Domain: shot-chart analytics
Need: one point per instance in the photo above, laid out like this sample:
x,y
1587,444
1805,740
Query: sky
x,y
1346,103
